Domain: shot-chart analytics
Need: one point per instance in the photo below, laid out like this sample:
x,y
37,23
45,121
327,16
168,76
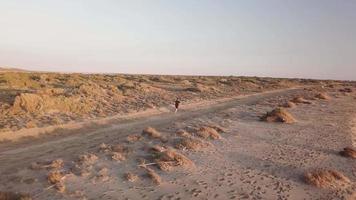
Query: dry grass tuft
x,y
325,178
133,138
322,96
208,132
120,148
300,100
217,128
88,159
191,144
151,132
117,156
60,187
104,148
153,175
278,115
169,159
131,177
348,152
56,164
183,133
55,177
14,196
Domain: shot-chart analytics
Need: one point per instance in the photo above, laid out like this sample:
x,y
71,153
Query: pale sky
x,y
278,38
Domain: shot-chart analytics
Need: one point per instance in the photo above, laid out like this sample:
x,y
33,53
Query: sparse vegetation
x,y
151,132
278,115
207,132
325,178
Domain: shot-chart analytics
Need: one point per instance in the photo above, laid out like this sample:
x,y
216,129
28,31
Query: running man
x,y
177,102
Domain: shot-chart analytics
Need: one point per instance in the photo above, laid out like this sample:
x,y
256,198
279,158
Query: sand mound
x,y
131,177
208,132
322,96
278,115
348,152
151,132
170,158
325,178
300,100
14,196
191,144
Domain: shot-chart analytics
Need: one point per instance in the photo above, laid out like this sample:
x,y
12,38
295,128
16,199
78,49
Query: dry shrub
x,y
54,177
322,96
88,159
278,115
191,144
60,187
118,156
325,178
208,132
348,152
289,104
300,100
104,147
103,175
131,177
153,175
183,133
168,159
56,164
133,138
14,196
120,148
151,132
218,128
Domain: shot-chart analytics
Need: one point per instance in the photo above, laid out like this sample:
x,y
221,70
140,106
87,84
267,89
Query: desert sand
x,y
273,139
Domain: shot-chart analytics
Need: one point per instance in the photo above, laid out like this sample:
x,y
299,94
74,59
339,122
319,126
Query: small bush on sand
x,y
278,115
183,133
131,177
190,143
88,159
325,178
153,175
60,187
151,132
55,177
169,159
208,132
14,196
218,128
117,156
322,96
300,100
348,152
133,138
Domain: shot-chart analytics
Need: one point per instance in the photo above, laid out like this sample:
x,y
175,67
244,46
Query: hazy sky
x,y
281,38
